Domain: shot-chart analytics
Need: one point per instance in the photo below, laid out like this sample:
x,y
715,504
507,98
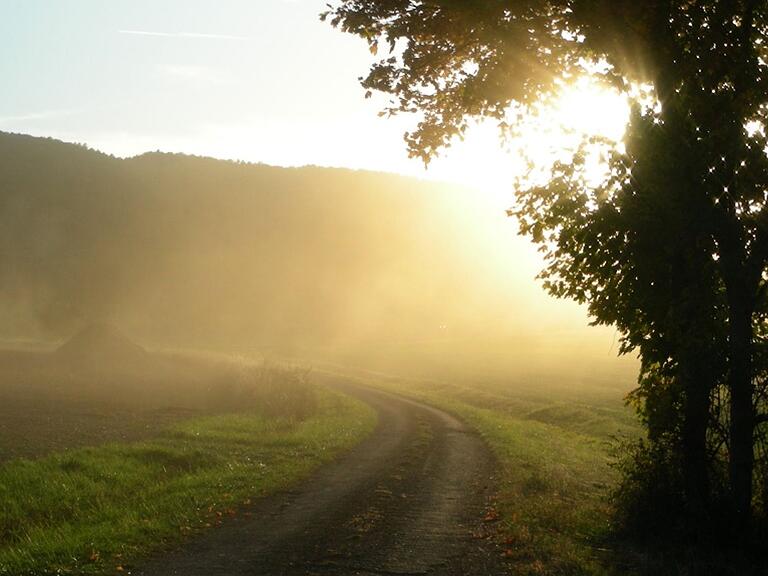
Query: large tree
x,y
672,248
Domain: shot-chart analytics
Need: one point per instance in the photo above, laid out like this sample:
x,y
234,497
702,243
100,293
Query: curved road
x,y
410,499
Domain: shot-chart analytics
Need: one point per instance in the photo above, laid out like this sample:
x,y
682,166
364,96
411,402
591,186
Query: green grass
x,y
97,510
555,474
552,497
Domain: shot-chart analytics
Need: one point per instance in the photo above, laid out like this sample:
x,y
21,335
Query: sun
x,y
550,132
590,108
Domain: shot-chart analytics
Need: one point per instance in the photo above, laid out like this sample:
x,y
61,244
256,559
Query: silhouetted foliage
x,y
672,247
651,473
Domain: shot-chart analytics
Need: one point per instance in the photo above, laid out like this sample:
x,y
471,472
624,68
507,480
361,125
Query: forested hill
x,y
192,250
185,251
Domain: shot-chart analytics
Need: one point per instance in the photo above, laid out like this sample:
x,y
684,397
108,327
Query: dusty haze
x,y
366,269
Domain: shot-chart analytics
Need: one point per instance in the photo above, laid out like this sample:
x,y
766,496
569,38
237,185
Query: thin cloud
x,y
39,115
194,35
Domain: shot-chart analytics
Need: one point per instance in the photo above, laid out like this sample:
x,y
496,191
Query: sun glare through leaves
x,y
583,115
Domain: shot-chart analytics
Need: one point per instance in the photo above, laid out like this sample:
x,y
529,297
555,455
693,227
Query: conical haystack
x,y
102,346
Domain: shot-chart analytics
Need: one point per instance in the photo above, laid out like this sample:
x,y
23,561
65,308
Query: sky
x,y
261,81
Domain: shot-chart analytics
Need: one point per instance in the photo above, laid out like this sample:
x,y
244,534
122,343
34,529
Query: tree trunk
x,y
742,410
694,438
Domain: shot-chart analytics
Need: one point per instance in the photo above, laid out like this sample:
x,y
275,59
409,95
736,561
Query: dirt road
x,y
408,500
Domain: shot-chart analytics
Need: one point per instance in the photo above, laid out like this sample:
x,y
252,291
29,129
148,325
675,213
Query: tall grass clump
x,y
269,390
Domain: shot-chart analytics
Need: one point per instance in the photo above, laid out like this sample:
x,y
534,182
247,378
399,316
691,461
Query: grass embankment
x,y
96,510
555,473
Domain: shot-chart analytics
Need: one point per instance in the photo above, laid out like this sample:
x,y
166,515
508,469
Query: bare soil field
x,y
33,424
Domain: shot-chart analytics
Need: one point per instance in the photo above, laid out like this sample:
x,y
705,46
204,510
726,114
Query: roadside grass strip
x,y
553,493
97,510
